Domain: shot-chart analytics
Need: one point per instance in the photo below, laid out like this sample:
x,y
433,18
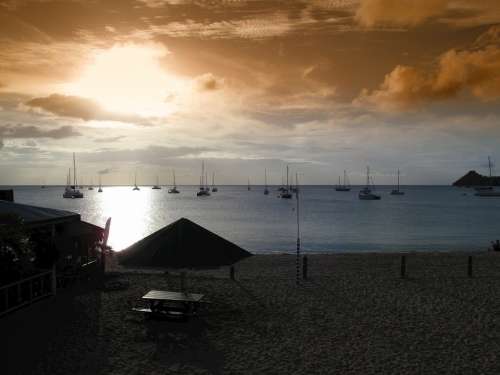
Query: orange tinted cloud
x,y
475,71
78,107
209,82
398,12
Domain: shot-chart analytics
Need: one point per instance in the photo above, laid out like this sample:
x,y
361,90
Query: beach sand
x,y
354,315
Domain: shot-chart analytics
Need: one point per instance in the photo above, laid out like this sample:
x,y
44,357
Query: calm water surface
x,y
426,218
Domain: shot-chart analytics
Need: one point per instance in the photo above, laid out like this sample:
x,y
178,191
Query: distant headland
x,y
472,178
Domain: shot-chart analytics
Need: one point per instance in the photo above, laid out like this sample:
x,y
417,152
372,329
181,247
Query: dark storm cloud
x,y
30,131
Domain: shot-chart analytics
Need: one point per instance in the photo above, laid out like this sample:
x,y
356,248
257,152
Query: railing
x,y
27,291
85,272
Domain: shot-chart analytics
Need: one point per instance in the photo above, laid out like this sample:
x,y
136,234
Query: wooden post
x,y
31,290
304,267
231,272
403,266
54,281
469,266
6,290
183,281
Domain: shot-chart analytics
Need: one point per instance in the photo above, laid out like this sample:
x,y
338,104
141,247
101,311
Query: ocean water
x,y
427,218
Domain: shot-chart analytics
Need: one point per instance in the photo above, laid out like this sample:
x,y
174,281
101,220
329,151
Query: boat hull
x,y
397,192
369,197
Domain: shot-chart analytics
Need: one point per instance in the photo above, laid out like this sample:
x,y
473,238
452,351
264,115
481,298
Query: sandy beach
x,y
354,315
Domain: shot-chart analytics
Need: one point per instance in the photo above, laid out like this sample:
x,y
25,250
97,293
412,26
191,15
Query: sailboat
x,y
285,192
173,190
366,192
214,188
282,187
91,186
100,185
157,185
248,186
480,189
266,190
136,188
345,186
204,190
397,191
68,190
71,191
487,191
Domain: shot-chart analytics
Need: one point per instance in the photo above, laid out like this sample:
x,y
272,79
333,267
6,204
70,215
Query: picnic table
x,y
172,304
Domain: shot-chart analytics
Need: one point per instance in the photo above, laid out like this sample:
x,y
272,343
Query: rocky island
x,y
472,178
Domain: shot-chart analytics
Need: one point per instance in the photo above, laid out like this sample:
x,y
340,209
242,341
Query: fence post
x,y
403,266
231,272
469,266
54,281
304,267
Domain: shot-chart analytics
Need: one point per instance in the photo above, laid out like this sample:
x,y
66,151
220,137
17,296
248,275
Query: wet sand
x,y
354,315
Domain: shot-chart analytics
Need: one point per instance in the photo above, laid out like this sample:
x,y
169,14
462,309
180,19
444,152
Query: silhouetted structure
x,y
58,235
7,195
182,244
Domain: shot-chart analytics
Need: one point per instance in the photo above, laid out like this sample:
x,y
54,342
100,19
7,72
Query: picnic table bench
x,y
175,305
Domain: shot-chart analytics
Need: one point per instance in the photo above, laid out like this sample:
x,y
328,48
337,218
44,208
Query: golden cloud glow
x,y
128,79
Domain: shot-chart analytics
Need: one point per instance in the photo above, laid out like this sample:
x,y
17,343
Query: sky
x,y
152,86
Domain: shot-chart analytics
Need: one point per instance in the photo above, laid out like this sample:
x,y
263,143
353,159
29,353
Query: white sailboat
x,y
345,186
136,188
71,191
214,188
366,193
285,192
397,191
266,190
204,190
157,185
173,190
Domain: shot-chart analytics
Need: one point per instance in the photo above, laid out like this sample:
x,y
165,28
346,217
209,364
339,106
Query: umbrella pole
x,y
183,282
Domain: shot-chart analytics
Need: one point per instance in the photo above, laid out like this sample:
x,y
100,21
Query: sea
x,y
426,218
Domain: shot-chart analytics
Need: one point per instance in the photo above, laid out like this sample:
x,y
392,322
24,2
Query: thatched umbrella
x,y
182,245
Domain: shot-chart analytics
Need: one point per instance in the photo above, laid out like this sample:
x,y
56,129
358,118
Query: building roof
x,y
182,244
36,216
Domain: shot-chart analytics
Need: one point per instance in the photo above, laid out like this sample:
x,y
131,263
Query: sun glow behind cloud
x,y
129,79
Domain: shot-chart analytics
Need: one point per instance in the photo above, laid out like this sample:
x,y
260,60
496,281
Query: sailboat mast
x,y
489,164
287,176
297,259
367,177
265,177
173,173
398,179
74,171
